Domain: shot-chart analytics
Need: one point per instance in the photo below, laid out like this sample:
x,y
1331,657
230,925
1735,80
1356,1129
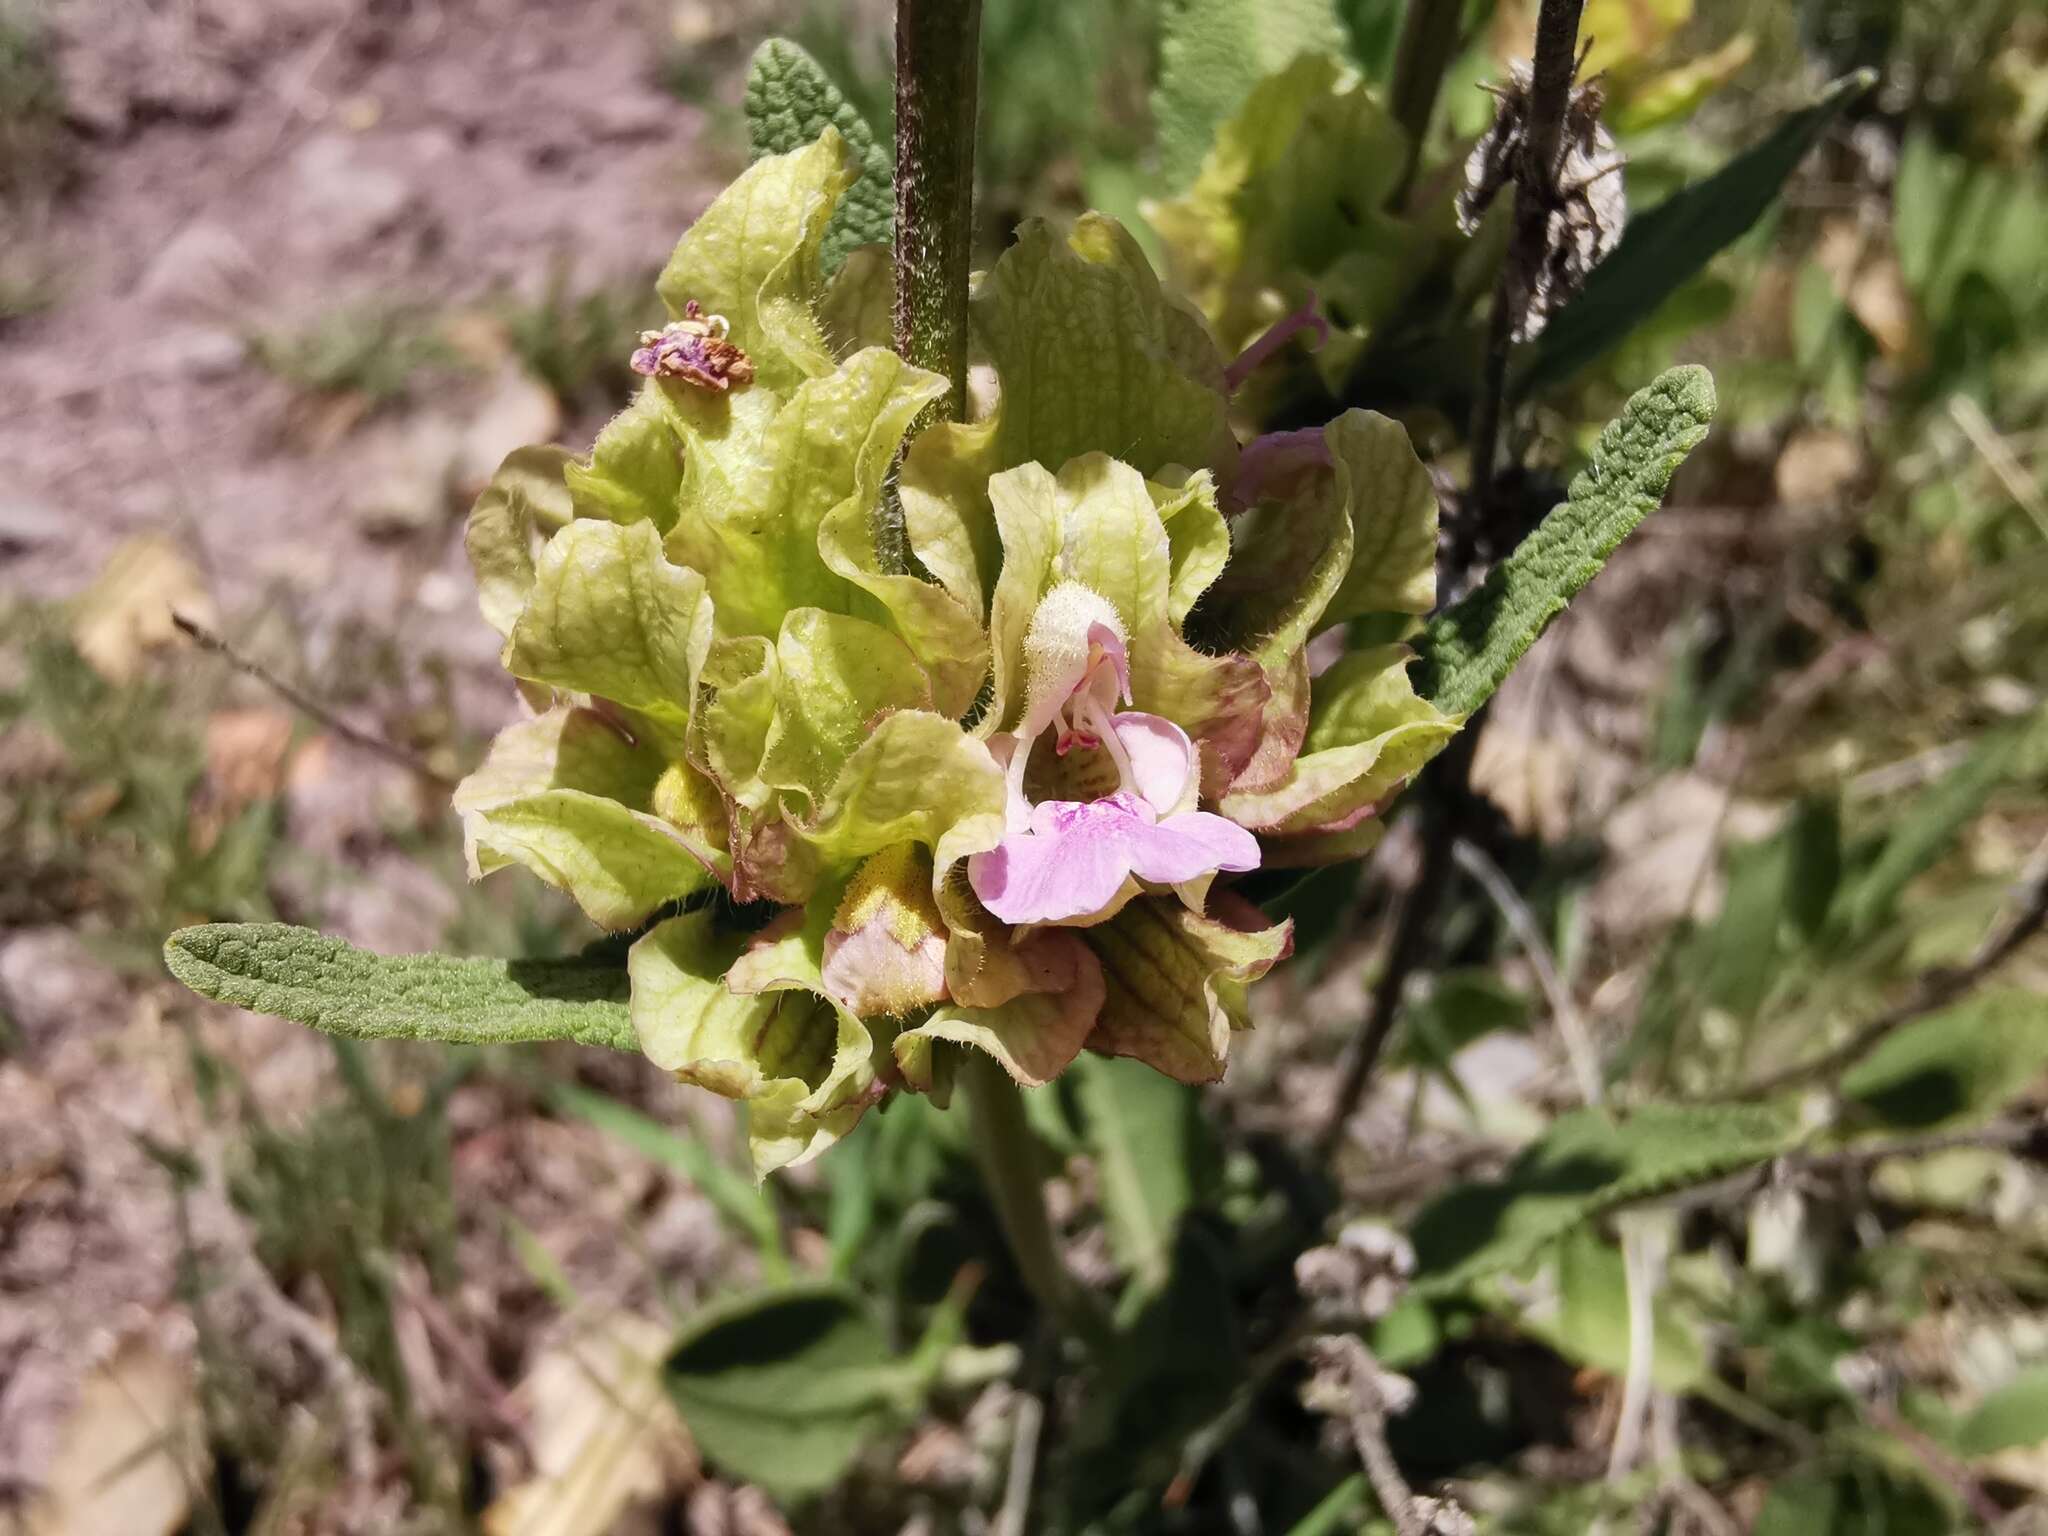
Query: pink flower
x,y
1067,861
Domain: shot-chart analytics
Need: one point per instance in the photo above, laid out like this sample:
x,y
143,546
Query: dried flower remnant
x,y
694,349
1588,207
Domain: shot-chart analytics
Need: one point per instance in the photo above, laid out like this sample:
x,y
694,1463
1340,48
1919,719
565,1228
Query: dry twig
x,y
307,705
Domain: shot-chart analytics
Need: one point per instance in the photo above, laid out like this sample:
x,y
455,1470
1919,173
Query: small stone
x,y
200,352
516,412
26,523
343,194
407,478
204,268
54,986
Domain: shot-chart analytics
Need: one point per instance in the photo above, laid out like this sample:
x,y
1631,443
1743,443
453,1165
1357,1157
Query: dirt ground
x,y
254,167
246,170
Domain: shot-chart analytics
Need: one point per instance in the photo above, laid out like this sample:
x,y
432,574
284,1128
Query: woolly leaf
x,y
297,974
1468,650
790,101
1666,247
1583,1165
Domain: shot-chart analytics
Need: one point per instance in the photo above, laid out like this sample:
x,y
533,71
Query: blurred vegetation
x,y
576,340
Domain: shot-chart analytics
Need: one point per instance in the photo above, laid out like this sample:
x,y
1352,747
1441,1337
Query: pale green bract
x,y
1290,204
775,763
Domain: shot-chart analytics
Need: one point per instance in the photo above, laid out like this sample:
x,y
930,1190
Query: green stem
x,y
1428,43
1007,1151
937,74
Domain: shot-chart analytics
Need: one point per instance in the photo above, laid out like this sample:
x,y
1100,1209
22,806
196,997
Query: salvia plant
x,y
935,678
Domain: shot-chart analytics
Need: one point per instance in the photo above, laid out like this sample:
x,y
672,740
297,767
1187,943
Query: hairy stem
x,y
1557,41
937,73
938,68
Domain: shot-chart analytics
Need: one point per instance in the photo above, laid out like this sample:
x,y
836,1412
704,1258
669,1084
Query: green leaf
x,y
858,307
1143,1130
526,496
1093,355
1740,952
837,676
784,1387
1468,649
790,101
750,1023
612,617
1583,1165
636,467
1177,981
1035,1036
1801,1505
753,258
917,777
1929,828
1590,1325
781,496
1211,54
1288,206
1665,247
297,974
1393,520
568,796
1367,734
1463,1006
1963,1063
2015,1417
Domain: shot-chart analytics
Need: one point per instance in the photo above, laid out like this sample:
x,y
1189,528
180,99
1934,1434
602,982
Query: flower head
x,y
1076,860
996,810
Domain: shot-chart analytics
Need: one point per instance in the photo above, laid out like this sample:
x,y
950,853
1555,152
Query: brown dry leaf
x,y
126,613
603,1432
1817,465
1878,297
1662,848
1530,778
246,751
129,1450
